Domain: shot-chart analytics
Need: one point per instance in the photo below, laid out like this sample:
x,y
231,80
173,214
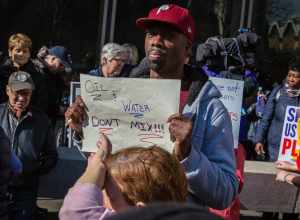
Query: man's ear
x,y
140,204
7,90
9,53
104,61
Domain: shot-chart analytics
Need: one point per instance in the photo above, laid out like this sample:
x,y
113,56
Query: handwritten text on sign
x,y
289,145
130,111
232,96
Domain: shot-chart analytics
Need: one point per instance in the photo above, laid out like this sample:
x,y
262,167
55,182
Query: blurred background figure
x,y
132,53
112,62
56,65
288,93
235,58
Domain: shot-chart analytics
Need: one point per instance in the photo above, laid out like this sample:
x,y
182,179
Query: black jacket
x,y
5,170
55,88
33,141
40,94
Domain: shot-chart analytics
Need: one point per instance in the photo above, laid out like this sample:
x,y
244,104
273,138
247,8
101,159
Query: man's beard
x,y
156,66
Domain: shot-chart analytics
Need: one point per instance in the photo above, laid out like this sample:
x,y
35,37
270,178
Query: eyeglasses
x,y
118,59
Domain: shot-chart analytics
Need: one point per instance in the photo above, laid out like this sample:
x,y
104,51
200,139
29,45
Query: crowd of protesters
x,y
204,168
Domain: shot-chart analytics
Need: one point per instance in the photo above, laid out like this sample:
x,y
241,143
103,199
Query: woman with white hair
x,y
112,62
132,53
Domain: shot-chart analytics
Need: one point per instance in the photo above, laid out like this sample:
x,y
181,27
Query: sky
x,y
297,7
293,7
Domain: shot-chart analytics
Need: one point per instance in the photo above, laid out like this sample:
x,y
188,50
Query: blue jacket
x,y
270,129
210,167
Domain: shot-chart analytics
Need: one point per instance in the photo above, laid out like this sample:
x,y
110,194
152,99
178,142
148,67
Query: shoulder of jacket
x,y
277,91
3,106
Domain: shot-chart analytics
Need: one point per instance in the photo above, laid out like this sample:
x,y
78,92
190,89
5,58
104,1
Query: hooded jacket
x,y
270,129
210,166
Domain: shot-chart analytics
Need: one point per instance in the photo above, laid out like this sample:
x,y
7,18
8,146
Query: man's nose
x,y
21,97
157,40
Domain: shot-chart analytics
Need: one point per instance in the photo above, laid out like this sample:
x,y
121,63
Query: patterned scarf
x,y
292,92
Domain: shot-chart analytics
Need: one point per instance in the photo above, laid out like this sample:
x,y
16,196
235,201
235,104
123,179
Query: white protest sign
x,y
232,97
289,144
130,111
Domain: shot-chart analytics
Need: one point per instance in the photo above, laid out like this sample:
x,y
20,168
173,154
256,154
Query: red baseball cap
x,y
172,15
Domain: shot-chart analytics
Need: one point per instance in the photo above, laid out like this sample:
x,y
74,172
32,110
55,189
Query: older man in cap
x,y
202,132
32,140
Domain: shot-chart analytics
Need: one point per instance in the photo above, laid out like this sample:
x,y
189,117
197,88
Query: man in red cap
x,y
202,132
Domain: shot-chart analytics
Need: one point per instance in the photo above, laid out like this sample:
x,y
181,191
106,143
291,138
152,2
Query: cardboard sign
x,y
232,97
132,112
289,144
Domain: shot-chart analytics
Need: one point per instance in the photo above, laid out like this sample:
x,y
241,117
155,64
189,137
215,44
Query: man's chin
x,y
19,108
115,74
155,65
22,62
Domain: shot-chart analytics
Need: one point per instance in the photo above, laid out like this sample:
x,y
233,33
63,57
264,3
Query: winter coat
x,y
210,166
270,128
32,141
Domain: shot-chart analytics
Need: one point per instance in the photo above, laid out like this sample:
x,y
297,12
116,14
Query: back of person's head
x,y
248,39
213,54
132,53
112,50
63,54
166,211
19,40
294,64
249,42
148,175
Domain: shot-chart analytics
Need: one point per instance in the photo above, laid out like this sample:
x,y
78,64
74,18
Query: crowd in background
x,y
47,76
